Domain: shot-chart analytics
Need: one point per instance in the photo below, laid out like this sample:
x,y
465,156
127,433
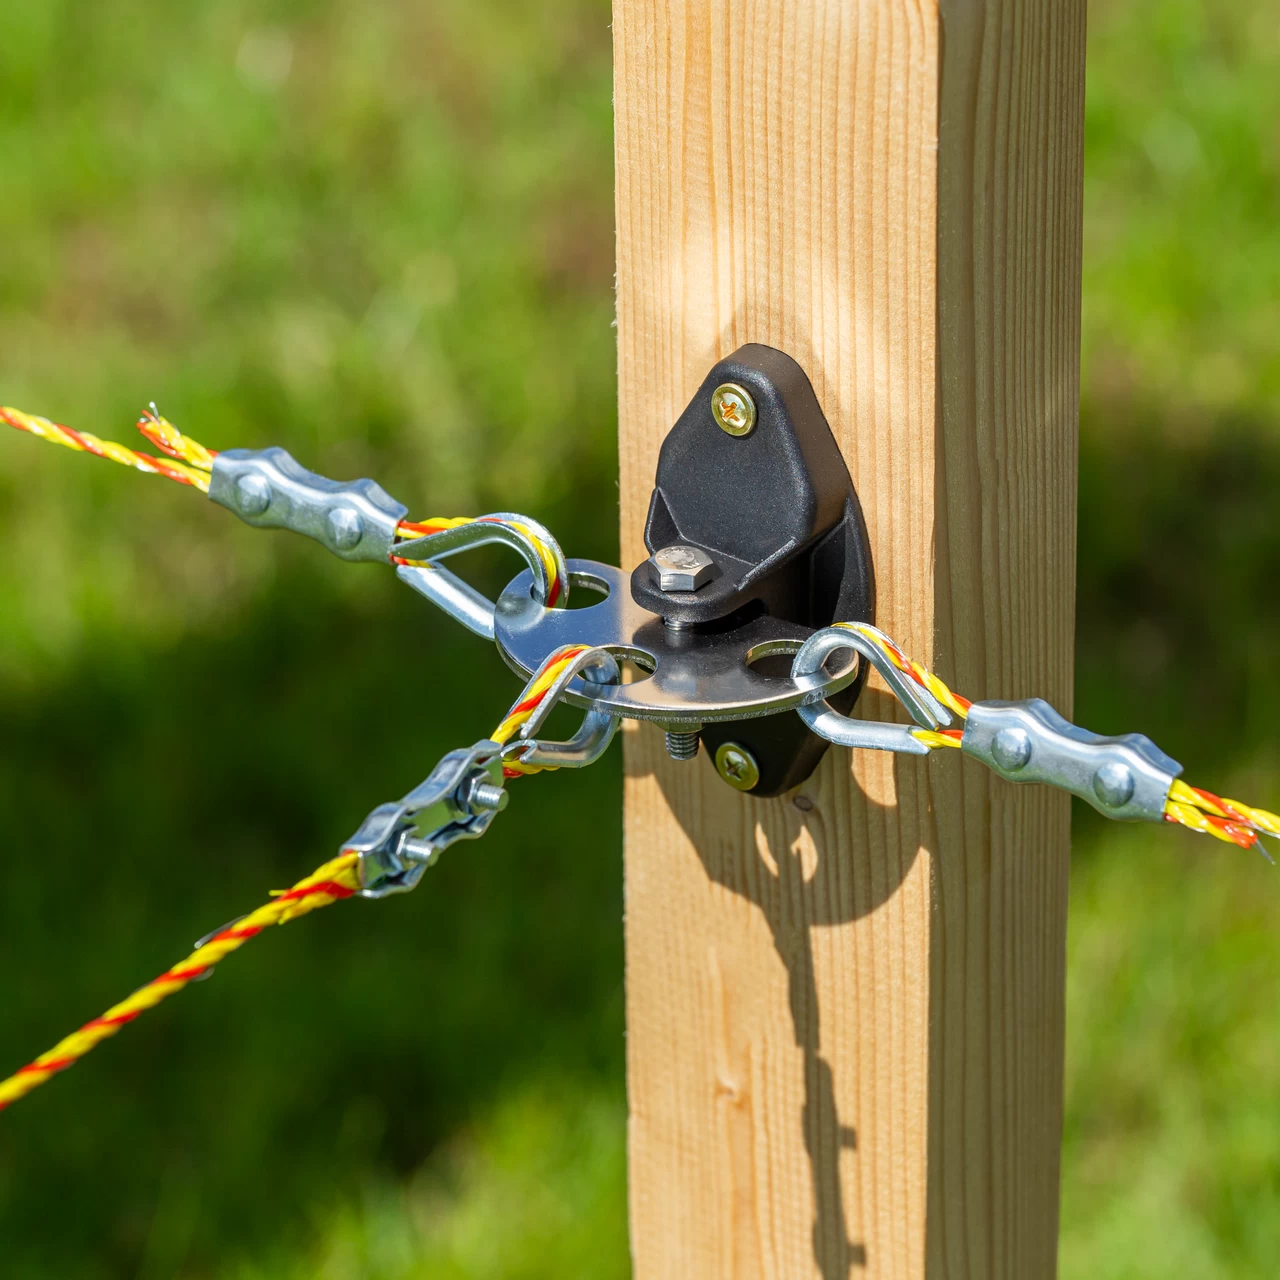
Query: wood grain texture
x,y
845,1008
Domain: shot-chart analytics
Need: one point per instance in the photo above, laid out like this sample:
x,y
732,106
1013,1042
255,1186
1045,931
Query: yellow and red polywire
x,y
409,529
191,463
1229,820
335,880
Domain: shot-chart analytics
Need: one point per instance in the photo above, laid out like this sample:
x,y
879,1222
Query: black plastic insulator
x,y
776,512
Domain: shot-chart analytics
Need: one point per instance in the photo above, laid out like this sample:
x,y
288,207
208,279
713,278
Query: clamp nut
x,y
681,568
252,495
1011,748
346,528
1114,784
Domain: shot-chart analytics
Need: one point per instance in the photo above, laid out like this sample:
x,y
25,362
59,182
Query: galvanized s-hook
x,y
598,666
464,603
828,723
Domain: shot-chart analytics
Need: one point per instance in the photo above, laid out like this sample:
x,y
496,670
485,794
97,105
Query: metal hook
x,y
598,666
498,527
461,601
828,723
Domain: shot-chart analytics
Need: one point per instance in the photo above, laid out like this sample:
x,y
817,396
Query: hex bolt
x,y
681,568
733,409
345,526
1011,749
737,766
253,495
682,744
1114,784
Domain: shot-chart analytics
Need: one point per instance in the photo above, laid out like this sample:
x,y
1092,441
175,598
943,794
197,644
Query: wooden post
x,y
845,1007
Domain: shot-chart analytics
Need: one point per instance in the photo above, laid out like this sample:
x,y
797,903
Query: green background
x,y
381,234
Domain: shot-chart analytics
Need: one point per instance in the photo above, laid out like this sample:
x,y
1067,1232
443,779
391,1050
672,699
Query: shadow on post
x,y
795,899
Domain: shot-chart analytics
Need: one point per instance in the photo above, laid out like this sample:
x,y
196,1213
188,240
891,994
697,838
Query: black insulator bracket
x,y
754,514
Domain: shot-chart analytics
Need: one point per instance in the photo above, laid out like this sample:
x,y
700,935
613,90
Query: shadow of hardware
x,y
794,900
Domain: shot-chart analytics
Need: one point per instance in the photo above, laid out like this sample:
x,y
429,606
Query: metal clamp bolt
x,y
345,528
253,495
1114,784
1011,749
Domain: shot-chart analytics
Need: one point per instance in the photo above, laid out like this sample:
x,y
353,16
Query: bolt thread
x,y
683,745
484,795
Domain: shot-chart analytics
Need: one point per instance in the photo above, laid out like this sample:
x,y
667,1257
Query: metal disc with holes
x,y
686,677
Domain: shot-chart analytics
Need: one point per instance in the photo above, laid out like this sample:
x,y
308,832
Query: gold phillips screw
x,y
733,409
737,766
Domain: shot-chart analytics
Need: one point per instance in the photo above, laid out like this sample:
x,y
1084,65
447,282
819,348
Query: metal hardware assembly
x,y
755,538
268,489
1126,777
686,679
756,545
397,842
753,527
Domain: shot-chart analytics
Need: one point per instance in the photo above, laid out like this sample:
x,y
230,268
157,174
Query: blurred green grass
x,y
381,234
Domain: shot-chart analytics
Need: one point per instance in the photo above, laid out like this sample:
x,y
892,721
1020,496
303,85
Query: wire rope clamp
x,y
270,489
397,842
1127,777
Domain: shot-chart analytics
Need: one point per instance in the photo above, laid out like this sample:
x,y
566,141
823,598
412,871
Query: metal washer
x,y
697,677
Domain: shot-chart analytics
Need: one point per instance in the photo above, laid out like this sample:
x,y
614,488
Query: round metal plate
x,y
695,677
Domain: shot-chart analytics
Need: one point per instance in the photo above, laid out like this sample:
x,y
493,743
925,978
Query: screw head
x,y
733,409
346,528
253,495
737,766
1011,749
1113,784
681,568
